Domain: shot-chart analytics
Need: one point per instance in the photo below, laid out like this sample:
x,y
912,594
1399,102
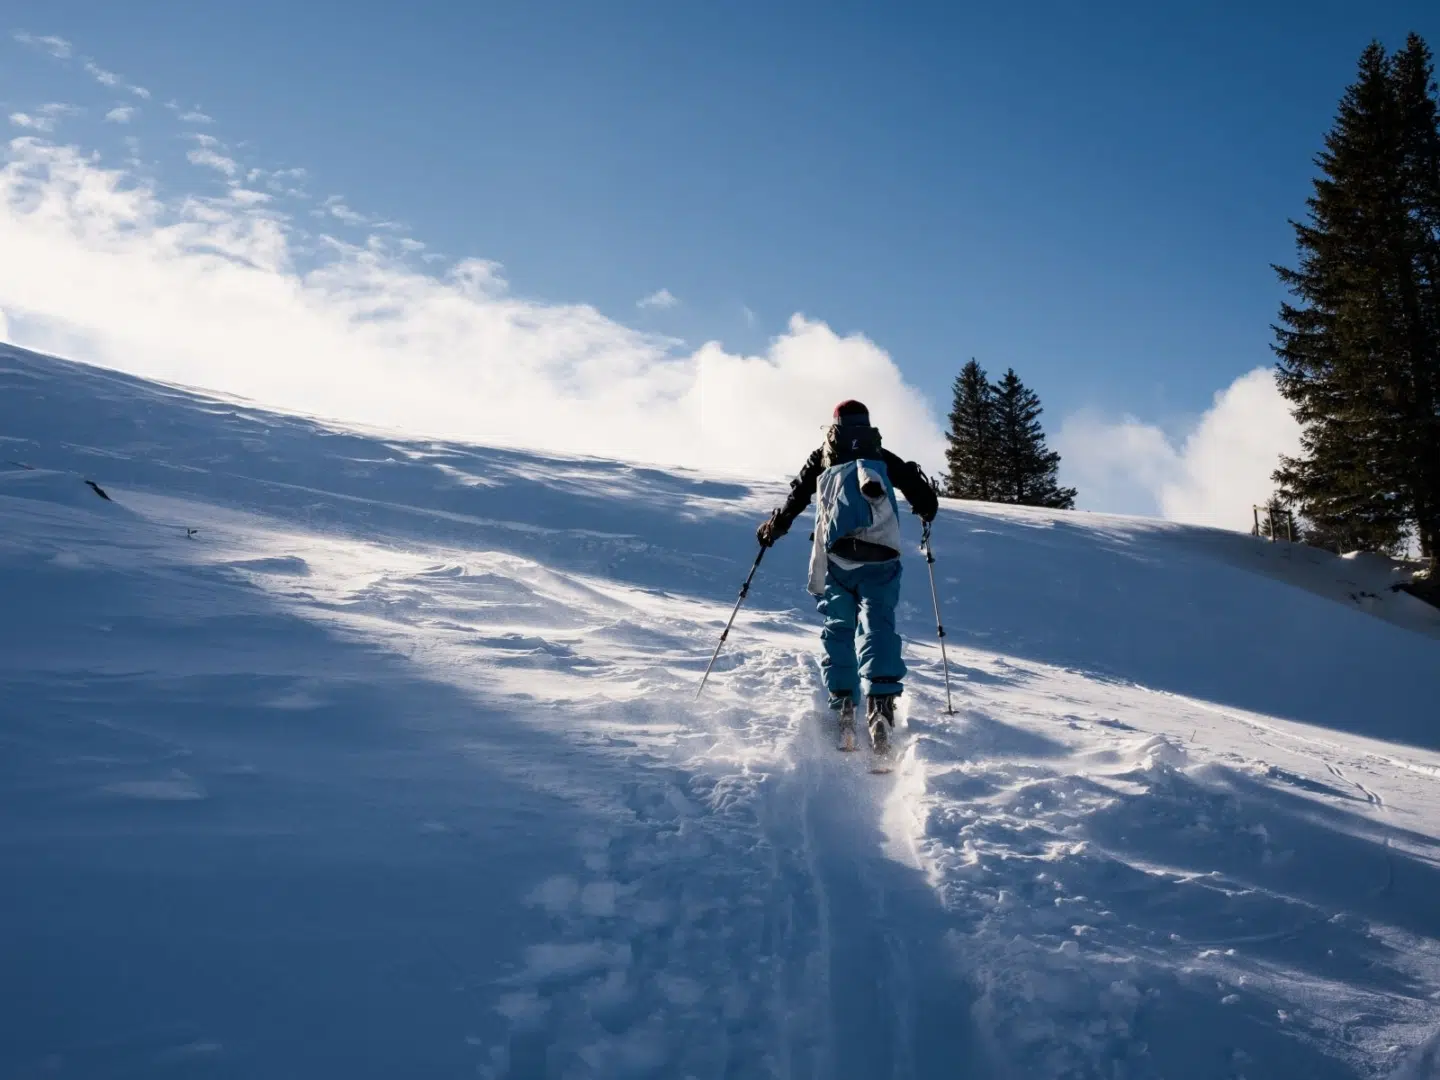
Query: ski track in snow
x,y
391,767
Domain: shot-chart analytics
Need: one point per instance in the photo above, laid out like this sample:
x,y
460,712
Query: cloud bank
x,y
230,292
1211,476
227,293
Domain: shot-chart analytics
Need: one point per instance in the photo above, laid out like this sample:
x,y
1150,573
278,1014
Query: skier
x,y
855,562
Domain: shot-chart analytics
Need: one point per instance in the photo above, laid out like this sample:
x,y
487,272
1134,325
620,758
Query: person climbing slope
x,y
855,562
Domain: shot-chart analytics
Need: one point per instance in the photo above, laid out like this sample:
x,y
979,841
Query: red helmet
x,y
853,411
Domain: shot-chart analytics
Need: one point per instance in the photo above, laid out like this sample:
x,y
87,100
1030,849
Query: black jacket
x,y
905,475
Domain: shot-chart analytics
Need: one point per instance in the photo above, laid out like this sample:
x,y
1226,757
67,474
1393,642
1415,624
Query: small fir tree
x,y
1026,470
970,453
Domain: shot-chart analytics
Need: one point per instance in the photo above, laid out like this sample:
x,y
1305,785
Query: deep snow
x,y
391,769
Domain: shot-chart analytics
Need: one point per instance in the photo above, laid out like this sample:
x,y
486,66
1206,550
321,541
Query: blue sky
x,y
1092,194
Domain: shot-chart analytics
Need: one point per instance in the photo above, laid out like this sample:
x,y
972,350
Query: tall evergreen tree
x,y
1026,470
1414,78
1358,355
970,453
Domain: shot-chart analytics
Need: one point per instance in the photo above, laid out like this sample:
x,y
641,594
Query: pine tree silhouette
x,y
1027,470
1359,355
970,453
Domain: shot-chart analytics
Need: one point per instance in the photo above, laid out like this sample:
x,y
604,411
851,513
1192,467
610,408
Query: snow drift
x,y
334,753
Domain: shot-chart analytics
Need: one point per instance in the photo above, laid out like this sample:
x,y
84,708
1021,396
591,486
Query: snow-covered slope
x,y
390,768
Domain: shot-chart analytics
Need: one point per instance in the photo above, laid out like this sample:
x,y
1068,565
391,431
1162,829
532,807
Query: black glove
x,y
771,529
930,506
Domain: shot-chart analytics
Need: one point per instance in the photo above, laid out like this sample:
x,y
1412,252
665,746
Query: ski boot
x,y
880,717
844,704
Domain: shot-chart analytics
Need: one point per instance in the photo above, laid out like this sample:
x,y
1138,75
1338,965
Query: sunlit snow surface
x,y
391,769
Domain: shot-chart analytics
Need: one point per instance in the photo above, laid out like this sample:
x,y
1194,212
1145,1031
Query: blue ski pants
x,y
862,600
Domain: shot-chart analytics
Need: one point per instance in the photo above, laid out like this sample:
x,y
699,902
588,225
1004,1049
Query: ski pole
x,y
939,626
744,591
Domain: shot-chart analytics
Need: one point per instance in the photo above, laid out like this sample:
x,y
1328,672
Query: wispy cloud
x,y
336,208
749,315
280,181
209,292
122,114
210,159
57,47
61,49
192,115
1211,475
207,155
660,300
45,118
248,197
100,75
112,80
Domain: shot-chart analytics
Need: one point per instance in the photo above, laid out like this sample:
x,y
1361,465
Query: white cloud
x,y
4,327
100,75
282,174
336,208
280,181
661,300
1231,455
46,119
1119,467
209,159
110,79
189,116
57,47
1211,477
61,49
750,319
239,196
207,155
121,115
207,292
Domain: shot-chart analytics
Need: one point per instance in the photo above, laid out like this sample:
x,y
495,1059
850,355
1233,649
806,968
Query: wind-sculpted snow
x,y
329,753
